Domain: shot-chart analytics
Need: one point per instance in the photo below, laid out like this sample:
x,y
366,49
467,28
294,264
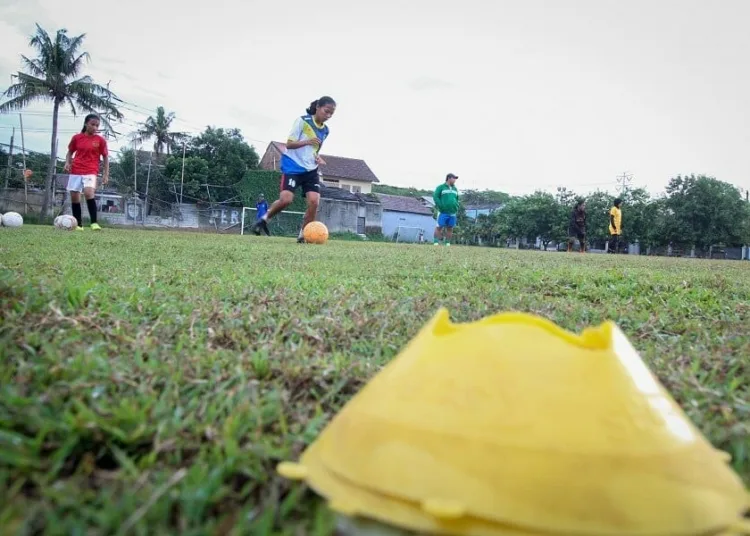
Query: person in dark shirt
x,y
577,226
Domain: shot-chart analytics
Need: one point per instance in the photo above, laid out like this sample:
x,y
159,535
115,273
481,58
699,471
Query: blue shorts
x,y
447,220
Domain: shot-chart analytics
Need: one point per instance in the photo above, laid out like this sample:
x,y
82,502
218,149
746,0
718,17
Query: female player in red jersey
x,y
82,162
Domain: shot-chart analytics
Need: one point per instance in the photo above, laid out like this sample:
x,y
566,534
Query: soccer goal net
x,y
285,223
409,234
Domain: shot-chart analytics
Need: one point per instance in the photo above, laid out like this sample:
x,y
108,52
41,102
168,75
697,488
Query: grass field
x,y
151,381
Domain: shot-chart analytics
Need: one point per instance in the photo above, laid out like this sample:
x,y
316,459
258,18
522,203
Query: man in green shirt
x,y
446,201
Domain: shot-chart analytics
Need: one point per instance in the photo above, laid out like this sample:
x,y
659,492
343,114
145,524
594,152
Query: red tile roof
x,y
338,167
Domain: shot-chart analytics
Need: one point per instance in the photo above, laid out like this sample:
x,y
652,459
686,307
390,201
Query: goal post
x,y
285,223
409,234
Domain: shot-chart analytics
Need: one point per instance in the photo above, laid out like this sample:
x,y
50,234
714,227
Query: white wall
x,y
392,220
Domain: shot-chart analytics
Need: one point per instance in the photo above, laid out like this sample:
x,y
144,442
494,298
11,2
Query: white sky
x,y
510,95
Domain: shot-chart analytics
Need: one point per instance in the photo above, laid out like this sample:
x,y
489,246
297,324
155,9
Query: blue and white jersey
x,y
302,160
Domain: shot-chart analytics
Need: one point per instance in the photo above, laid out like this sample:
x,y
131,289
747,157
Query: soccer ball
x,y
315,232
12,219
66,222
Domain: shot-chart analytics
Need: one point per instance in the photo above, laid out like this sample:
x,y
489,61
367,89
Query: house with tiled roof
x,y
350,174
406,217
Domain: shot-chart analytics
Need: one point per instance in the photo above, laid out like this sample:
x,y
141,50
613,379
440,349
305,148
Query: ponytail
x,y
87,119
322,101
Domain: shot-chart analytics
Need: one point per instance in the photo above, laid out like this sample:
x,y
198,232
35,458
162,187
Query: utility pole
x,y
182,178
10,158
106,115
25,179
624,181
148,179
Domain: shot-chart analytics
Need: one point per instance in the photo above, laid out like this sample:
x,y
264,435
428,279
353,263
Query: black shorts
x,y
309,182
576,232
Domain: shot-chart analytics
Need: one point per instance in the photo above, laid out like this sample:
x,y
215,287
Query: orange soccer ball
x,y
315,233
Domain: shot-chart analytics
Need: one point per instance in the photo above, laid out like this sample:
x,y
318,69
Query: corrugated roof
x,y
327,192
400,203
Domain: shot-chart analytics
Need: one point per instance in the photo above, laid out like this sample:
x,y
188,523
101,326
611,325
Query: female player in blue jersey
x,y
299,164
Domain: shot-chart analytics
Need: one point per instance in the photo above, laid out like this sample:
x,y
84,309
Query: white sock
x,y
264,217
301,234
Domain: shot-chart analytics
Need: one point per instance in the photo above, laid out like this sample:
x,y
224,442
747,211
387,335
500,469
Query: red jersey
x,y
87,152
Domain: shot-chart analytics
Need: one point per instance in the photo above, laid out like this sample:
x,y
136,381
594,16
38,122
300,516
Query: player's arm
x,y
612,220
105,157
69,155
436,196
293,140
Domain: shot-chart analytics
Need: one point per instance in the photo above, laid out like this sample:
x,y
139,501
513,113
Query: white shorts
x,y
76,183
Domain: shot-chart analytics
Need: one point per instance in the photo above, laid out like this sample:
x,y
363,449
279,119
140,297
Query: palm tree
x,y
54,76
158,129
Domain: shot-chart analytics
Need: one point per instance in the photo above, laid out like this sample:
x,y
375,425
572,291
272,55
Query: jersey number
x,y
292,183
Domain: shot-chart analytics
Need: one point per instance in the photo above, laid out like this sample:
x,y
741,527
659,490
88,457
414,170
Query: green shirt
x,y
446,198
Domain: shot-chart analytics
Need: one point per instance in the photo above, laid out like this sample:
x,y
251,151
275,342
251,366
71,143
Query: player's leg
x,y
286,196
313,202
89,192
613,243
310,184
439,230
450,224
74,187
438,235
582,242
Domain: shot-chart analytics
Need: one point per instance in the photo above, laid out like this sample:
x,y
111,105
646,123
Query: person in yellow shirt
x,y
615,226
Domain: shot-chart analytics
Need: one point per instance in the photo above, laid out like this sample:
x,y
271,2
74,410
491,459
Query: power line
x,y
624,182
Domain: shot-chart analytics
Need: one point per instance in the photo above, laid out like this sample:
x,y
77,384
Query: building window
x,y
356,189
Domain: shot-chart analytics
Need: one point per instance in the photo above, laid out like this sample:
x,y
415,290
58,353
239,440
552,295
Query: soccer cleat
x,y
436,243
79,228
300,239
96,227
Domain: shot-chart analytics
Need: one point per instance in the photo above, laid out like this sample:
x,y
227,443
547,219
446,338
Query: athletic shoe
x,y
79,228
300,240
95,227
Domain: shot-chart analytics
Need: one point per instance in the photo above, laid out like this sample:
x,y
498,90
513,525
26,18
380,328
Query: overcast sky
x,y
510,95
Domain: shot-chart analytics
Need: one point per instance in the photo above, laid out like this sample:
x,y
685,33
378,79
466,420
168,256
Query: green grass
x,y
151,381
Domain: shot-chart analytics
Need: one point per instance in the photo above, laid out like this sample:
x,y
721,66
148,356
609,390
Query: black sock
x,y
91,204
76,209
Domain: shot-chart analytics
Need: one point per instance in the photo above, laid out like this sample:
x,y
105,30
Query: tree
x,y
159,129
706,211
534,216
196,174
484,197
638,216
228,157
400,190
598,205
54,76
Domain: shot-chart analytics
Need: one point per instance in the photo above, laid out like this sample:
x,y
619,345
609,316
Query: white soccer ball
x,y
12,219
66,222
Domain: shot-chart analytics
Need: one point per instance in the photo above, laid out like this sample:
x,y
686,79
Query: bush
x,y
261,181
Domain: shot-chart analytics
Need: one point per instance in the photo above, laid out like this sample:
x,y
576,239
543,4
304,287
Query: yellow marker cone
x,y
513,426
